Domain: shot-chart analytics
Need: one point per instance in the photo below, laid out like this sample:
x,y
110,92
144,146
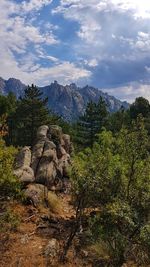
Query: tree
x,y
118,119
91,123
140,106
102,114
7,104
31,113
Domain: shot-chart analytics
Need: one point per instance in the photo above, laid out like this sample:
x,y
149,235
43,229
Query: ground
x,y
26,246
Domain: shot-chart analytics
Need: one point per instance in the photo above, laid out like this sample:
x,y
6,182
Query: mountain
x,y
68,101
11,85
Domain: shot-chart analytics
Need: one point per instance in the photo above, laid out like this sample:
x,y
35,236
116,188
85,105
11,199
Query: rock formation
x,y
46,164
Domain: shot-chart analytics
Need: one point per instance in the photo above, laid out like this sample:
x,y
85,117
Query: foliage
x,y
91,123
3,126
118,119
9,184
114,178
7,104
25,115
9,220
31,113
140,106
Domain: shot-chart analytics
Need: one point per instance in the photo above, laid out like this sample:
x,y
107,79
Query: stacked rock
x,y
48,161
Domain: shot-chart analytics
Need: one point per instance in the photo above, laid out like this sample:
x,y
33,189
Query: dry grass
x,y
54,202
99,250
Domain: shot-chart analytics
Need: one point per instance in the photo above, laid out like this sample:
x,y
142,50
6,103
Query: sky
x,y
102,43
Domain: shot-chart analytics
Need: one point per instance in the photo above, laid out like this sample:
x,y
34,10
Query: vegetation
x,y
26,114
9,184
114,178
54,202
31,112
110,172
91,123
9,220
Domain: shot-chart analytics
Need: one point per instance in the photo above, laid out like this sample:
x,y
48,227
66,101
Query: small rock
x,y
51,249
24,239
85,253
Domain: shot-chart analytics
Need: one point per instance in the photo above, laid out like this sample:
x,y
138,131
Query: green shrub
x,y
9,220
9,184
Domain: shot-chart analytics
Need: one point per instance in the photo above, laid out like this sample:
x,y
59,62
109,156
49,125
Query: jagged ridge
x,y
68,101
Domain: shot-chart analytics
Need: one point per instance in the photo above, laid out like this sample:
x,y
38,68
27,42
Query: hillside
x,y
68,101
59,210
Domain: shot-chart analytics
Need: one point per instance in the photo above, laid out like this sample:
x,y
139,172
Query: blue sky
x,y
104,43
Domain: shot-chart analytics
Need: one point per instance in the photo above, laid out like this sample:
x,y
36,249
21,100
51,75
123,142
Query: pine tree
x,y
91,123
31,112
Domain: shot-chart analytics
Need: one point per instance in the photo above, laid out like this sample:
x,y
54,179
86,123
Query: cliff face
x,y
70,101
11,85
67,101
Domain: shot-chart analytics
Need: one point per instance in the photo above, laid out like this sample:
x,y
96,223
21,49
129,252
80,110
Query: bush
x,y
9,220
9,184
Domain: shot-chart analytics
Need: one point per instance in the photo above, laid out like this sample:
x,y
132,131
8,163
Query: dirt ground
x,y
25,247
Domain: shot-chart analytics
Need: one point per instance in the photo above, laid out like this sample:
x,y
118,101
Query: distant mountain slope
x,y
68,101
11,85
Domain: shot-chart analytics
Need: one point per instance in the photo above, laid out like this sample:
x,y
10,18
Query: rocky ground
x,y
40,237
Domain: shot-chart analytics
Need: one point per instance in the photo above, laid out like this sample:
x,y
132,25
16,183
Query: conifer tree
x,y
91,123
31,112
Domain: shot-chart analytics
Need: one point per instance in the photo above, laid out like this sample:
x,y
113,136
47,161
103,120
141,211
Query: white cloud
x,y
34,5
91,63
140,8
16,34
130,92
143,41
64,72
83,13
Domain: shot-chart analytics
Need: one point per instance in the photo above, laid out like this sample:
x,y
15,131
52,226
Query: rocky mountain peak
x,y
68,101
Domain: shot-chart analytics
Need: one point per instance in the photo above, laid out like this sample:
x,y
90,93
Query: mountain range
x,y
68,101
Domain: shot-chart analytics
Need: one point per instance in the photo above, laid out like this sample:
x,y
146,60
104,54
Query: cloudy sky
x,y
104,43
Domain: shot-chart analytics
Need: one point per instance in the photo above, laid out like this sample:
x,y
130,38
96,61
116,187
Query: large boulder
x,y
46,173
60,152
66,143
23,158
64,163
42,131
25,174
43,149
55,133
22,166
44,162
